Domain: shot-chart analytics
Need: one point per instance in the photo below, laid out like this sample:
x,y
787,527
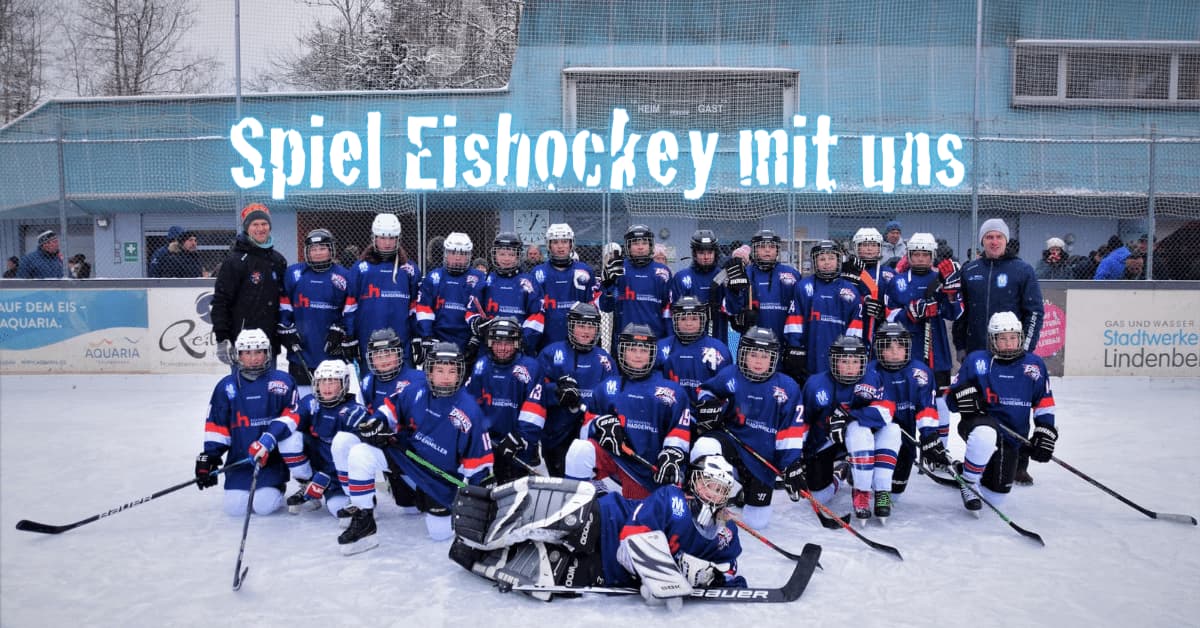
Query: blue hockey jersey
x,y
588,369
691,364
910,286
773,294
381,295
1012,389
510,396
519,297
822,311
912,389
312,301
239,411
562,288
640,296
654,412
442,304
865,401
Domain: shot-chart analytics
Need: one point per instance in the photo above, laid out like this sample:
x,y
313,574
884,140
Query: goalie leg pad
x,y
650,556
539,509
529,563
473,513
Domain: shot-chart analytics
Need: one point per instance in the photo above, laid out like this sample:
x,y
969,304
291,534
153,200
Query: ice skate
x,y
883,506
360,535
299,501
862,505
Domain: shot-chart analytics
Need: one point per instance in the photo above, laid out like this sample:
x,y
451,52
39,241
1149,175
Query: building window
x,y
1143,74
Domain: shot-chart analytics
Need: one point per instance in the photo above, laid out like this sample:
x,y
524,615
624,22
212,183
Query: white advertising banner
x,y
1133,332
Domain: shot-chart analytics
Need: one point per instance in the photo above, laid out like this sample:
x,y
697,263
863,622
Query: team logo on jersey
x,y
472,280
662,273
678,506
779,394
731,385
277,387
808,289
847,295
901,284
921,377
605,363
539,275
724,537
435,277
256,277
526,285
459,420
866,391
665,351
582,279
981,366
230,392
686,281
401,385
610,387
823,397
711,358
559,358
521,373
338,281
1033,372
1001,280
787,279
665,395
296,274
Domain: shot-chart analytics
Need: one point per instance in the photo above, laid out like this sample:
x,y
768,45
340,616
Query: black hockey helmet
x,y
689,306
504,328
847,347
765,238
319,237
704,240
885,336
444,353
758,339
821,248
584,314
636,335
635,233
381,345
507,241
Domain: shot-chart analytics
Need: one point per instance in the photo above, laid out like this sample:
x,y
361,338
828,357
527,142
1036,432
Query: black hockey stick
x,y
239,572
842,523
791,591
958,479
1168,516
46,528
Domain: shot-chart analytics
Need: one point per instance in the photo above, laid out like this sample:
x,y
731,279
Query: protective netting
x,y
1072,120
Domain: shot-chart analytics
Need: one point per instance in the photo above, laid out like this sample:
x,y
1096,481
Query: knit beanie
x,y
255,211
46,236
993,224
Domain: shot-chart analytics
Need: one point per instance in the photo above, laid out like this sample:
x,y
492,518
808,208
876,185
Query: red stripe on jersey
x,y
476,463
631,530
1046,402
216,429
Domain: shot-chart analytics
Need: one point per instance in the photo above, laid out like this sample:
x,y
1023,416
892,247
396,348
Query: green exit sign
x,y
129,251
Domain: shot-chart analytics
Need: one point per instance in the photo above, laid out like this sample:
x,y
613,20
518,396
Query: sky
x,y
74,446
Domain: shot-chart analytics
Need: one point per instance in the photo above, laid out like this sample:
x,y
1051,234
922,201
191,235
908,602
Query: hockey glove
x,y
701,573
837,425
852,269
610,434
333,340
567,393
613,271
951,275
262,448
968,399
921,309
289,337
744,320
735,275
794,480
795,362
932,449
206,468
509,447
223,352
670,466
350,349
374,431
1042,443
315,489
709,414
873,309
479,325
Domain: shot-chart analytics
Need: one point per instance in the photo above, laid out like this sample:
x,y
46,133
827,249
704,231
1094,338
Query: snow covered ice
x,y
74,446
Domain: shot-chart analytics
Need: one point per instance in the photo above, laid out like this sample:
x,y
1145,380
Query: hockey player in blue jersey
x,y
868,250
922,298
447,292
762,293
755,404
690,357
637,414
1003,385
635,287
827,306
564,282
909,384
306,445
314,295
509,292
508,387
571,370
383,293
674,541
845,410
385,355
697,281
242,405
438,424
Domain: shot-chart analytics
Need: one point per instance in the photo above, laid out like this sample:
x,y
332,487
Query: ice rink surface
x,y
74,446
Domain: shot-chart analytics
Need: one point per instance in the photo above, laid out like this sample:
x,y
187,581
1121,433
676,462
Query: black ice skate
x,y
971,501
883,505
360,536
299,501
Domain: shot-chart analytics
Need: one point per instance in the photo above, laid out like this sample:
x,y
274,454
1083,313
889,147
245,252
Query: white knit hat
x,y
1056,242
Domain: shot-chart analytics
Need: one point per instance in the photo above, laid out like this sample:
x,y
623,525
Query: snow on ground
x,y
74,446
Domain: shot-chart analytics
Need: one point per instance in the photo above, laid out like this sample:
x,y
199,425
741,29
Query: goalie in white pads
x,y
550,533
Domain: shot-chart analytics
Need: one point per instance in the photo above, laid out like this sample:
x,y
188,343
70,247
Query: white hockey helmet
x,y
386,226
560,231
922,242
1001,323
252,340
458,242
331,369
714,484
867,234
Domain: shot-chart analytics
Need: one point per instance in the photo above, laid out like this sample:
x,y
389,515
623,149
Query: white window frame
x,y
1064,47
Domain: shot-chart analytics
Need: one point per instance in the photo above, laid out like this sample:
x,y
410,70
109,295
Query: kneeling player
x,y
539,533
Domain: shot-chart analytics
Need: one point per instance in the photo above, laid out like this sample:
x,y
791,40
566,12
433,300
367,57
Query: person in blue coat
x,y
1113,264
44,262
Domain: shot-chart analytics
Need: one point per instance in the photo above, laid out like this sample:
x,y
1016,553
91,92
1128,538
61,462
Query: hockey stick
x,y
887,549
1168,516
791,591
1034,536
46,528
239,572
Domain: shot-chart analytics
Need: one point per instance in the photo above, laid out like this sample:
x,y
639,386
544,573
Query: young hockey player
x,y
564,281
385,356
674,541
697,281
242,405
1002,385
827,306
446,293
636,287
762,293
639,414
509,292
382,293
314,295
909,384
753,406
690,357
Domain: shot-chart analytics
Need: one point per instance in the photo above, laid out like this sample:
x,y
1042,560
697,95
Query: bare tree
x,y
133,47
23,29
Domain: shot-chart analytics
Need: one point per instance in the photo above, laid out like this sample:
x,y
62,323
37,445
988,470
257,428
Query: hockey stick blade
x,y
789,592
239,578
